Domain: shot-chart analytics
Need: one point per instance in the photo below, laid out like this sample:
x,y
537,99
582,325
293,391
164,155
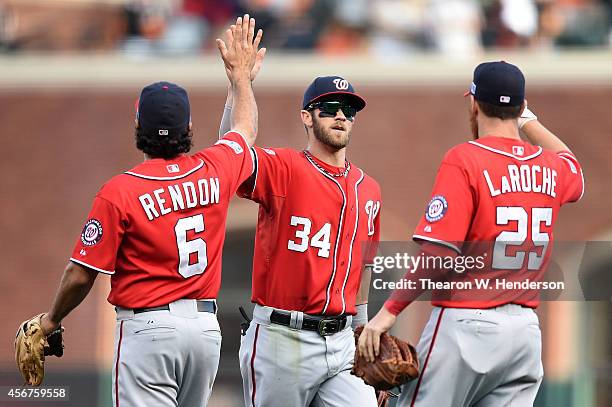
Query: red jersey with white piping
x,y
502,195
317,227
159,228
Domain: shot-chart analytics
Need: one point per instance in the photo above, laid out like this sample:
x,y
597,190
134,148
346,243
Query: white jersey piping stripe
x,y
237,132
245,143
570,159
581,175
255,167
494,150
167,178
348,267
583,186
433,240
251,153
333,276
568,154
82,263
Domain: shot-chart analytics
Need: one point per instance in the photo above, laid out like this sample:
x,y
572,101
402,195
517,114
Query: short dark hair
x,y
500,112
166,146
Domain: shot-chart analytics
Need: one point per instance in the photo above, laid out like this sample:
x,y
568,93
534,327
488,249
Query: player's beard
x,y
474,125
326,137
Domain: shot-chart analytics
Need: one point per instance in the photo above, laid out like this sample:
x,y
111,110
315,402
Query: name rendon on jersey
x,y
162,201
524,178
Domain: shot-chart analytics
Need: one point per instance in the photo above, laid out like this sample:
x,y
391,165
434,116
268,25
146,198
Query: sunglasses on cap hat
x,y
330,108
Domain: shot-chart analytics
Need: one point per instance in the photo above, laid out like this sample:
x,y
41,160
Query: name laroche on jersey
x,y
524,178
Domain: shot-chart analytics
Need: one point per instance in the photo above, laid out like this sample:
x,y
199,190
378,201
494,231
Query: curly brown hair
x,y
167,146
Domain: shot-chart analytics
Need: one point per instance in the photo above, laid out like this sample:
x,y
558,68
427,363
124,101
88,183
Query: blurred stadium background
x,y
71,70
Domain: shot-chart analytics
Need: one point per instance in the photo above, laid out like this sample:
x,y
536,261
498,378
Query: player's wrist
x,y
395,307
240,78
526,117
48,325
361,317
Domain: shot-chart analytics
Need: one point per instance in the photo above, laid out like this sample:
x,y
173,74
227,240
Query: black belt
x,y
324,325
203,306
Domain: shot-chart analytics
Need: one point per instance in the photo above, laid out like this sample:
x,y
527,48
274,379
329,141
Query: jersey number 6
x,y
192,253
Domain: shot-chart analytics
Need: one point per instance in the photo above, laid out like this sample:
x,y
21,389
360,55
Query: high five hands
x,y
240,51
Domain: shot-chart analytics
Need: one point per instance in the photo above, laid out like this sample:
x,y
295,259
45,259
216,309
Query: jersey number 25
x,y
505,214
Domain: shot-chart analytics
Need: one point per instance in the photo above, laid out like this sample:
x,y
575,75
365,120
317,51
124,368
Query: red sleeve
x,y
448,214
373,232
271,175
231,156
401,298
572,178
96,248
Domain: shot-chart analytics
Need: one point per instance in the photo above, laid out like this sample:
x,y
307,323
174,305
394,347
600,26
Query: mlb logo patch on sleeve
x,y
436,209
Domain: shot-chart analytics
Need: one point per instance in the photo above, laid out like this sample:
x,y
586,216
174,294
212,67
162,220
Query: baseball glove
x,y
31,347
395,364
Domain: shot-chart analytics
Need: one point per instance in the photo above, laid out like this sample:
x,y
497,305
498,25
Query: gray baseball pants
x,y
478,357
165,358
284,367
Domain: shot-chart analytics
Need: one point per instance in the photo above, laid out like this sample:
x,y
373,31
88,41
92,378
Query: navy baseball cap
x,y
324,86
498,83
163,108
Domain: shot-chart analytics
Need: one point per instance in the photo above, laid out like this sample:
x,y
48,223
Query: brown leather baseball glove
x,y
395,364
31,347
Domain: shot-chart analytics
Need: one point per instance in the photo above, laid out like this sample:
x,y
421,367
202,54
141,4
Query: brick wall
x,y
60,146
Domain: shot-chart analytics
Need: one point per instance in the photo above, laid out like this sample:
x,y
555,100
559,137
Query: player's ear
x,y
190,126
306,118
136,123
473,106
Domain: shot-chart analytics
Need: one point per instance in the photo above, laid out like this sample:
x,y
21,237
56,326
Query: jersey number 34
x,y
319,240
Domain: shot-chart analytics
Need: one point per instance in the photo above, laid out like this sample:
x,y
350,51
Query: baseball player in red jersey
x,y
158,230
483,348
318,225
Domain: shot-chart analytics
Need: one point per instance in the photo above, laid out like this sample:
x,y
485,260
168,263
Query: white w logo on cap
x,y
341,84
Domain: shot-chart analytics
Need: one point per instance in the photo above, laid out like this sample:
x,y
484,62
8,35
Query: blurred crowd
x,y
384,28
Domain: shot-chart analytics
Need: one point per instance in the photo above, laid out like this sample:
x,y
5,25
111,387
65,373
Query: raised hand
x,y
241,55
261,53
242,59
259,57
